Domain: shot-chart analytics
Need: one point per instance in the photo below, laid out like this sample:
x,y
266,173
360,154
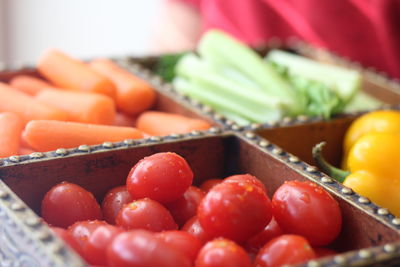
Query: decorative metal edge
x,y
42,240
108,146
312,173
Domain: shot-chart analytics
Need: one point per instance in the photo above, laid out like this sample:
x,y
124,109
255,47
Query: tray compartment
x,y
99,168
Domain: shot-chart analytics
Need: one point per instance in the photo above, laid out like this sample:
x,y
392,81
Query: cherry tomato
x,y
67,203
143,248
222,252
305,209
285,249
146,214
113,202
324,252
185,207
271,231
95,249
193,227
81,231
208,184
182,241
234,210
240,178
163,177
68,239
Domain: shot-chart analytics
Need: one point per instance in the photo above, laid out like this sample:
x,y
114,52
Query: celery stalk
x,y
222,50
228,103
196,69
344,82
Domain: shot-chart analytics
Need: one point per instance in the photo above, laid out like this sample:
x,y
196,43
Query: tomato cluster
x,y
160,219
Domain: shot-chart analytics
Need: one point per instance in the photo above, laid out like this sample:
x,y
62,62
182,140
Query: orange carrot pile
x,y
10,130
45,135
80,106
69,73
133,94
26,107
28,84
162,123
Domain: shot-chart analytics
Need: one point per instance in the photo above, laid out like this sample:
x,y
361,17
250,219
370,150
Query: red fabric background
x,y
367,31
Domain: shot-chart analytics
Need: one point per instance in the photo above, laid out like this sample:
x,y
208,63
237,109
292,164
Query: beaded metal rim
x,y
34,231
355,258
109,146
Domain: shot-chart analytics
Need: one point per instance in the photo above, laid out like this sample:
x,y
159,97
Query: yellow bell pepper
x,y
372,157
373,162
375,121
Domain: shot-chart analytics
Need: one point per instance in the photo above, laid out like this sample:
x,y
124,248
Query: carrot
x,y
26,106
45,135
134,95
28,84
70,73
122,119
11,127
80,106
162,123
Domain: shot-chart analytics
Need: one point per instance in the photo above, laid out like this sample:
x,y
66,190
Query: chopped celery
x,y
343,81
224,51
194,68
220,101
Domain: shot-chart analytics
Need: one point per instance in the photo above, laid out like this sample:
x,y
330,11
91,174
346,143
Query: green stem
x,y
335,173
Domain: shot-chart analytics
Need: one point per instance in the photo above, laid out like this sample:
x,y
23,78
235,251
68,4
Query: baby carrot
x,y
80,106
70,73
134,95
26,106
10,131
162,123
45,135
28,84
122,119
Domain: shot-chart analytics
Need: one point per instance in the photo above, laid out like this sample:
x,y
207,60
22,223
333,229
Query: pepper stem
x,y
336,173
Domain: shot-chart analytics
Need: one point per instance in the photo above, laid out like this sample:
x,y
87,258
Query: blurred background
x,y
84,29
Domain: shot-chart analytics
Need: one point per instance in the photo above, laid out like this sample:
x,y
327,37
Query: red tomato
x,y
222,252
146,214
185,207
182,241
271,231
163,177
143,248
67,203
68,239
324,252
95,249
113,202
208,184
305,209
234,210
193,227
81,231
241,178
285,249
